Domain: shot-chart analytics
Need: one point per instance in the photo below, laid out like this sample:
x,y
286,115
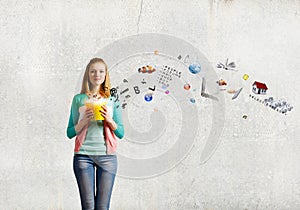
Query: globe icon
x,y
195,68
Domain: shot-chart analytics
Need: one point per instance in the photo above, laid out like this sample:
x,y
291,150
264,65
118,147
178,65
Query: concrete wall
x,y
44,47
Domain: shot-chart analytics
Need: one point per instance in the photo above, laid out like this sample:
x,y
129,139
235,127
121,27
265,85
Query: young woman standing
x,y
95,160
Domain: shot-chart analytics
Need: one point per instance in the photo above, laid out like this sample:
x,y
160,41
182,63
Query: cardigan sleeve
x,y
117,117
73,119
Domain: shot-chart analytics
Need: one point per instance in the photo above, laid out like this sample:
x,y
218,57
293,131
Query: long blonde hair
x,y
105,87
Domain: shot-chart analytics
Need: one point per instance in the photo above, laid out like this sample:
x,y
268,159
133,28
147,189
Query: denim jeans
x,y
95,191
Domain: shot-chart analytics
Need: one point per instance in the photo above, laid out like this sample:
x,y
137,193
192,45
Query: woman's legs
x,y
84,170
105,176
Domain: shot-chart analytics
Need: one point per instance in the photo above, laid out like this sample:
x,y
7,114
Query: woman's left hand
x,y
108,119
106,115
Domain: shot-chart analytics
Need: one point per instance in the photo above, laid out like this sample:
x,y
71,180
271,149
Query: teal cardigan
x,y
94,143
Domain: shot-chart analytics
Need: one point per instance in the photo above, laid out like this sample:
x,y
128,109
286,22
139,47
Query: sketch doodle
x,y
227,66
153,89
136,89
280,106
117,98
113,92
166,73
124,105
205,95
237,93
124,91
186,59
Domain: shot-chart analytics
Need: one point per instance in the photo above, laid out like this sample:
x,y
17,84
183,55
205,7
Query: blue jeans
x,y
84,167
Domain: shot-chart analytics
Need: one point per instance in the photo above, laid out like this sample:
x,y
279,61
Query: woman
x,y
95,142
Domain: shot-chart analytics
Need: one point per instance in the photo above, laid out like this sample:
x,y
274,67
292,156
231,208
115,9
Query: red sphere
x,y
187,86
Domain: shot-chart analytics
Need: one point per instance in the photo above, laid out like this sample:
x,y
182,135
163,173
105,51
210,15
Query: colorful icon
x,y
259,88
167,92
155,52
246,76
192,100
231,91
186,86
147,69
148,97
221,82
195,68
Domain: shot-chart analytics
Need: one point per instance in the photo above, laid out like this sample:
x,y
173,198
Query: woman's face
x,y
97,74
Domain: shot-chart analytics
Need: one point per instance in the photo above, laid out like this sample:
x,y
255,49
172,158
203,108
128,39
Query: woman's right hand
x,y
88,115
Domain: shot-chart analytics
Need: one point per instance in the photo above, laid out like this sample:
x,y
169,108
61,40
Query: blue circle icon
x,y
148,97
195,68
192,100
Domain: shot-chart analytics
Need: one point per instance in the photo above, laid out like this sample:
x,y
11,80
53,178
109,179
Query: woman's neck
x,y
95,90
94,94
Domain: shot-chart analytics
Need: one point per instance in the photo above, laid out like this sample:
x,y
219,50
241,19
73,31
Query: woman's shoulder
x,y
79,96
